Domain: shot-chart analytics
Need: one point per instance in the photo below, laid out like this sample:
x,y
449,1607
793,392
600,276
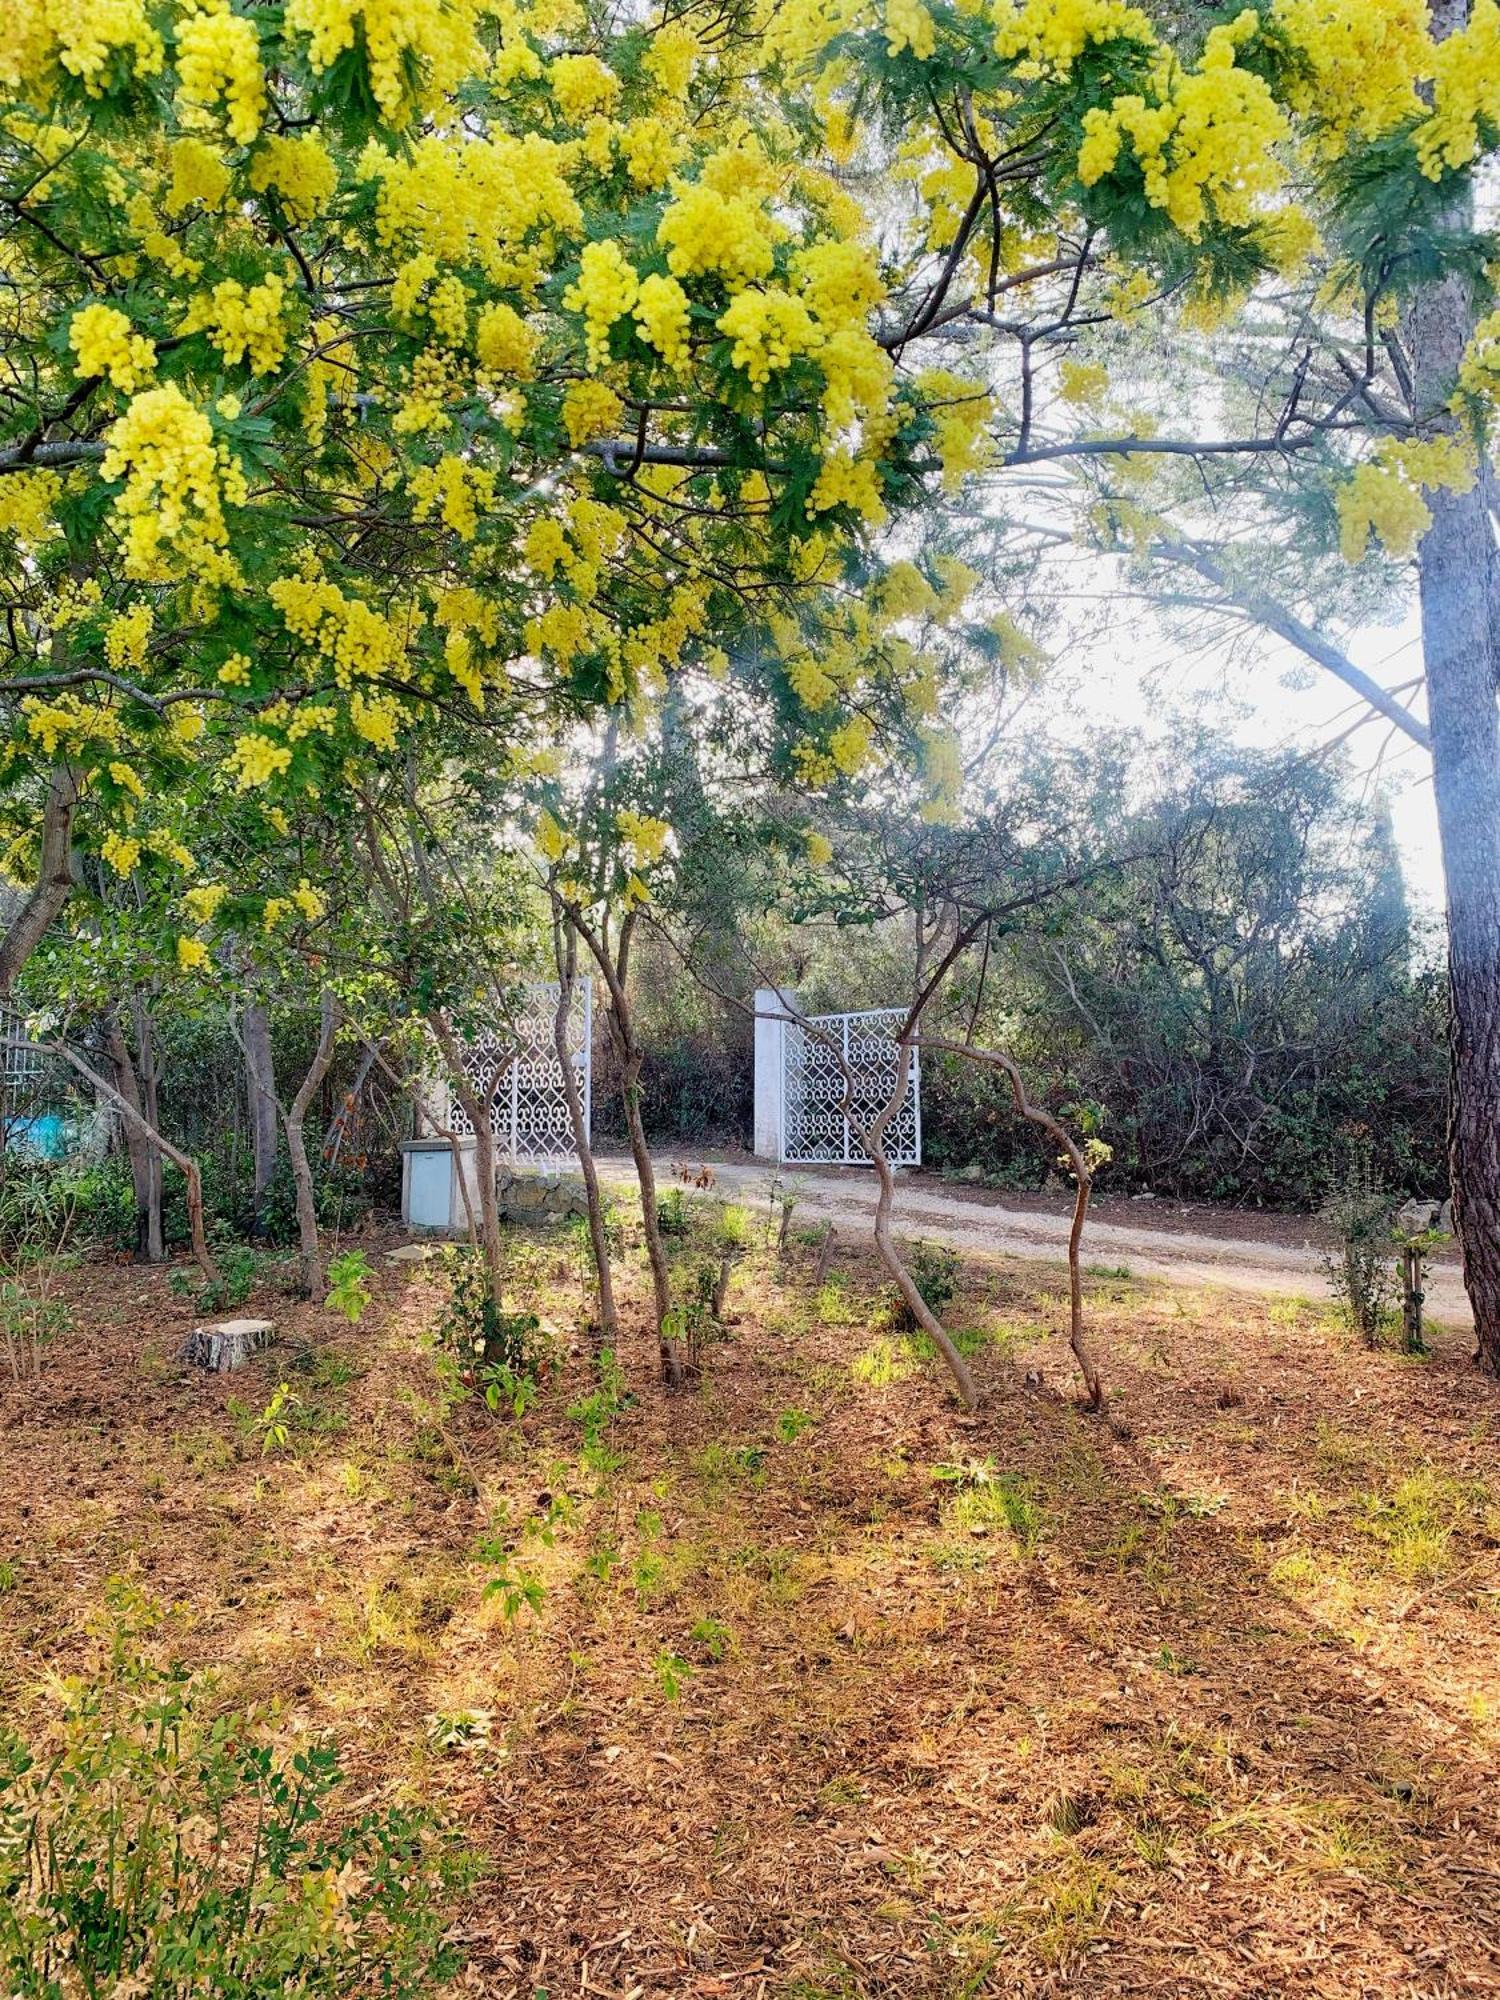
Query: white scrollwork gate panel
x,y
814,1128
519,1065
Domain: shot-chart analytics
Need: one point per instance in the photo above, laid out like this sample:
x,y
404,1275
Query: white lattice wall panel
x,y
815,1130
517,1068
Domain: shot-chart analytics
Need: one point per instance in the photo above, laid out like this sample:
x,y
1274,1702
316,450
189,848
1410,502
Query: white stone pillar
x,y
770,1042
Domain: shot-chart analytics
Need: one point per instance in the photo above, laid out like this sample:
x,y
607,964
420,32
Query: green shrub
x,y
152,1846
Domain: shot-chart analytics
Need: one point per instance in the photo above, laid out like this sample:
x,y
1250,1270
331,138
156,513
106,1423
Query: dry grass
x,y
835,1690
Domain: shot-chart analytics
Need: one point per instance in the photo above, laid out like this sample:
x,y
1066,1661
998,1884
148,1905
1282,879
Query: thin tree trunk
x,y
264,1106
184,1162
565,950
1457,569
628,1056
137,1146
916,1305
302,1180
54,878
145,1042
1036,1114
479,1110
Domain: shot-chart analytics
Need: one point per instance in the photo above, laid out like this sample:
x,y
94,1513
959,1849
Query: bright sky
x,y
1276,699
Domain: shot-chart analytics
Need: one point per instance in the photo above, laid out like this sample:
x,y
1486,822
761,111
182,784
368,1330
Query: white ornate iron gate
x,y
529,1113
814,1128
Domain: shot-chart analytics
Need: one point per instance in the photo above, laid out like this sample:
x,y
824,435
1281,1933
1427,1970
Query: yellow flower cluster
x,y
202,903
1363,63
590,410
583,86
27,504
1465,92
218,61
943,768
504,342
812,687
121,851
768,329
485,201
90,39
126,637
1050,35
1479,376
349,633
310,901
1082,382
960,412
662,315
670,57
908,25
706,232
375,718
69,722
235,671
198,174
244,323
458,489
102,339
1206,141
847,481
255,759
416,51
176,484
300,171
603,292
819,848
192,955
646,838
651,150
1385,495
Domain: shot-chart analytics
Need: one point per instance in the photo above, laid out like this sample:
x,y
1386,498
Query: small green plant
x,y
30,1320
1358,1211
274,1422
672,1673
152,1844
349,1285
986,1498
239,1268
934,1272
462,1729
7,1575
713,1637
596,1412
477,1334
672,1213
792,1423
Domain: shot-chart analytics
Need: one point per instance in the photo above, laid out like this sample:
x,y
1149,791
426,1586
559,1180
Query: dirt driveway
x,y
1186,1248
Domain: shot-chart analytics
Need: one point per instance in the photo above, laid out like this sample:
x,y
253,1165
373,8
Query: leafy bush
x,y
349,1285
151,1846
476,1331
1359,1210
934,1272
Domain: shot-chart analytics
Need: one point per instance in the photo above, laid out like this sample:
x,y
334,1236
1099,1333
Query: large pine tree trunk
x,y
1459,587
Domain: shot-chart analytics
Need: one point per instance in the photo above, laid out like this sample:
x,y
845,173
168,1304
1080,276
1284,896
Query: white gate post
x,y
770,1059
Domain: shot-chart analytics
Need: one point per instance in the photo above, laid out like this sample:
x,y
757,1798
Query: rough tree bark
x,y
145,1166
54,878
294,1118
264,1106
1459,590
184,1162
565,951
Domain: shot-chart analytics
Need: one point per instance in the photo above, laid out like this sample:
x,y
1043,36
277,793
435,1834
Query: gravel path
x,y
977,1220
